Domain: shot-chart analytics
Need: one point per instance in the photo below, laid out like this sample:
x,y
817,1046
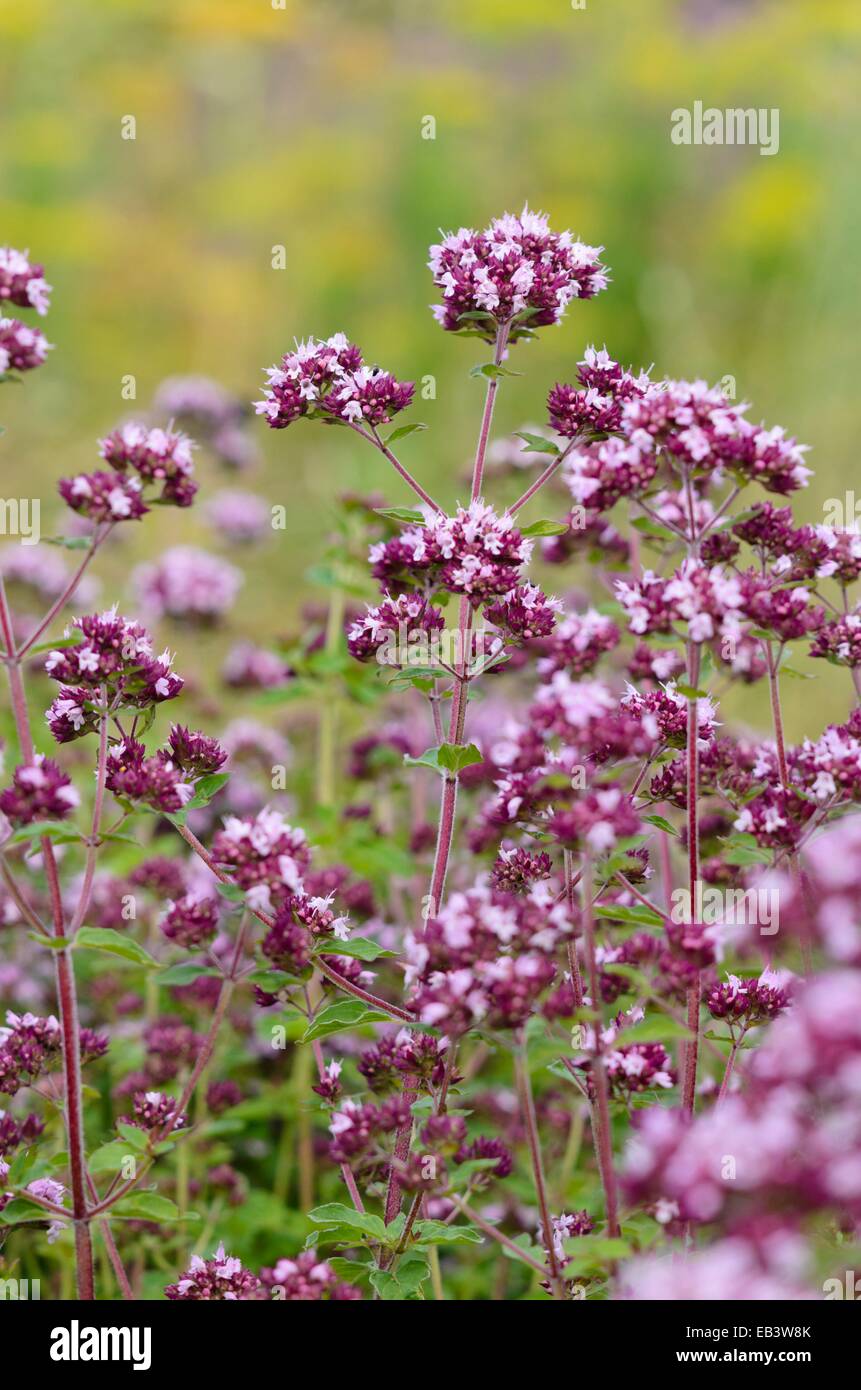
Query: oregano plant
x,y
504,967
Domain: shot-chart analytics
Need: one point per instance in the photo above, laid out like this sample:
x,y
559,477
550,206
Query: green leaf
x,y
206,789
536,443
231,891
438,1233
447,757
134,1137
270,980
185,973
585,1253
524,1242
55,830
69,542
545,528
145,1206
405,514
492,372
661,823
386,1285
639,915
402,431
404,1282
57,646
656,1028
647,527
106,939
797,675
742,849
352,1013
338,1214
359,947
20,1209
51,943
690,692
465,1172
109,1158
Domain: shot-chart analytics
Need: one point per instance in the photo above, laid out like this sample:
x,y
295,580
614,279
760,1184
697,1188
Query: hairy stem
x,y
691,1048
64,974
373,438
93,845
601,1128
783,770
67,593
346,1170
530,1122
731,1060
573,963
511,1246
502,333
328,728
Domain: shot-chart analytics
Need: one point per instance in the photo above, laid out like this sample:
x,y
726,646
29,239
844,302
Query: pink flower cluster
x,y
475,552
524,613
486,956
159,457
104,497
154,781
697,427
578,643
113,652
22,282
329,381
595,407
598,474
839,640
403,620
188,584
40,791
517,266
220,1278
266,855
794,1133
21,348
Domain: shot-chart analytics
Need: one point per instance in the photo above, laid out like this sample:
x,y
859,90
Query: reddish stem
x,y
346,1170
724,1086
92,847
539,483
64,596
530,1122
573,963
499,1237
346,985
691,1048
448,800
373,438
783,769
111,1247
502,333
66,994
602,1132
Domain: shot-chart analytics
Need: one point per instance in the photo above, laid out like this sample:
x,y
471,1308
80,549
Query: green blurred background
x,y
302,126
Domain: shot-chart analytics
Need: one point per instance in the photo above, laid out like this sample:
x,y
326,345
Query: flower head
x,y
221,1277
517,266
22,282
